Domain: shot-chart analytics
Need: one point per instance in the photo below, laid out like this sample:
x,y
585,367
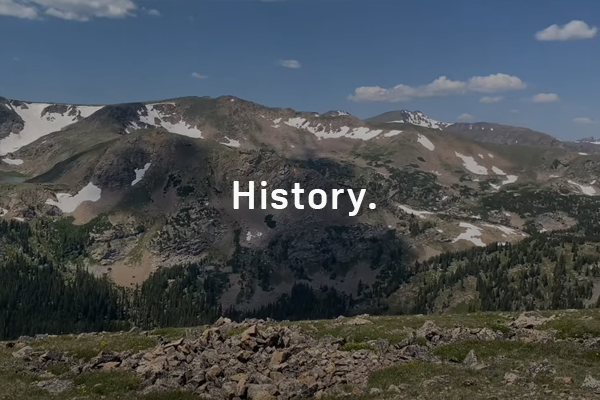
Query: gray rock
x,y
55,386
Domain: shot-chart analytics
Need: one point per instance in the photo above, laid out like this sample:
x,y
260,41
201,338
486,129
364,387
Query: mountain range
x,y
148,186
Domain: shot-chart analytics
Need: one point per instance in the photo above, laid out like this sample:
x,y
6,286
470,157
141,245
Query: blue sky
x,y
136,50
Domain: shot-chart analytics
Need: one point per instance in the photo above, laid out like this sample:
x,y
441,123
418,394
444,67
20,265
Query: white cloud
x,y
290,63
442,86
491,99
514,111
197,75
545,98
73,10
584,121
153,12
10,8
465,117
574,30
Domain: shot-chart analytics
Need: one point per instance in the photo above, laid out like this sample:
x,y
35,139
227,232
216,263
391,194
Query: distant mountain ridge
x,y
417,118
487,132
150,186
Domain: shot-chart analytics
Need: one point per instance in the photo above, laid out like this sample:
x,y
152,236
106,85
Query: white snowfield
x,y
509,179
13,161
232,142
585,189
155,117
472,234
471,165
37,124
420,119
408,210
68,203
323,132
392,133
140,173
425,142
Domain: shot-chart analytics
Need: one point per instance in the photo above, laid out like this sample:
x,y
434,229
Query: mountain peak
x,y
417,118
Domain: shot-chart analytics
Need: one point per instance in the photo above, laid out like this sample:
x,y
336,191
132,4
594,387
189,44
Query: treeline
x,y
541,272
302,303
44,287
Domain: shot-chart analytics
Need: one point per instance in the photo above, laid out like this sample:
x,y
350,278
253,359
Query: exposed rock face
x,y
9,121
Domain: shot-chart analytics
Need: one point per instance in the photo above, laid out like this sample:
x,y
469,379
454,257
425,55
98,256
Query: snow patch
x,y
232,142
323,132
38,124
153,117
408,210
587,190
471,165
472,234
419,119
139,174
583,154
425,142
480,156
498,171
490,155
392,133
509,179
12,161
3,212
249,235
68,203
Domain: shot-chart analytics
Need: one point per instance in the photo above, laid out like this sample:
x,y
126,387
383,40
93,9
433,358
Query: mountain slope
x,y
502,134
485,132
408,117
151,185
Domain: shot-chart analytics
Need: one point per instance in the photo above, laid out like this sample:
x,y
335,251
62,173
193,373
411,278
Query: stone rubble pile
x,y
261,363
258,360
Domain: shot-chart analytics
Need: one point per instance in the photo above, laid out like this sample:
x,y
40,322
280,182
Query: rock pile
x,y
260,360
261,363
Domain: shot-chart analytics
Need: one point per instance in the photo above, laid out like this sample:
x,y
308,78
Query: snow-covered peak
x,y
336,113
590,140
409,117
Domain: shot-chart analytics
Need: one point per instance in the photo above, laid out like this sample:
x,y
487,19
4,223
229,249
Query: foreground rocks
x,y
259,360
260,363
255,360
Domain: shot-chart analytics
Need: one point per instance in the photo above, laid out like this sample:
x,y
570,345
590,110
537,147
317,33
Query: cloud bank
x,y
442,86
72,10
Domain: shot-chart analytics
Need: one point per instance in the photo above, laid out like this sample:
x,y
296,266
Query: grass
x,y
106,383
87,347
445,379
